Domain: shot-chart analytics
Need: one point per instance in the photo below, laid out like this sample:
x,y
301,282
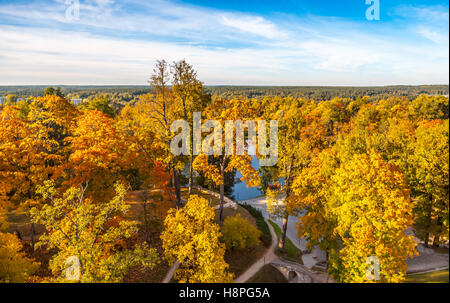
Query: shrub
x,y
265,237
239,233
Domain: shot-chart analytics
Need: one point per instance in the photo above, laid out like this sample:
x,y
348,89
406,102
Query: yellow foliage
x,y
371,202
239,233
191,236
212,172
15,267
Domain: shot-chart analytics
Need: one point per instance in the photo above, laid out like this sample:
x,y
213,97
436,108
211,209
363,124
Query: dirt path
x,y
268,257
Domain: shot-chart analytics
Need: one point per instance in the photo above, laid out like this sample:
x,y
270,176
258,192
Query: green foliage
x,y
10,99
102,104
55,92
266,174
239,233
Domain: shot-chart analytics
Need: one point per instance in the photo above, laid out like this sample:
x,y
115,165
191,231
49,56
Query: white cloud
x,y
432,35
113,46
254,25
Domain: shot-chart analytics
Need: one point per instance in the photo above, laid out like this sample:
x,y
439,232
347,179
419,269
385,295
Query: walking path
x,y
268,257
309,259
428,260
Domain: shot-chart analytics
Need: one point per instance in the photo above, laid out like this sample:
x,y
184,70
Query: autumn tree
x,y
189,97
312,195
10,99
32,149
191,236
145,150
50,91
429,107
303,132
93,235
160,111
239,233
215,145
429,180
97,155
370,200
15,267
102,104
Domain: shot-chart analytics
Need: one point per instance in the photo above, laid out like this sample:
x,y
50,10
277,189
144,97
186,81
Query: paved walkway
x,y
268,257
310,259
427,260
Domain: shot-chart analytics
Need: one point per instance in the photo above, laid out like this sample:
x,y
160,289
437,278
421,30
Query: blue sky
x,y
253,42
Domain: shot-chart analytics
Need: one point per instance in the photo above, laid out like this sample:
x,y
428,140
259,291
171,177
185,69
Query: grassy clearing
x,y
440,276
240,260
291,252
21,222
204,194
230,212
267,274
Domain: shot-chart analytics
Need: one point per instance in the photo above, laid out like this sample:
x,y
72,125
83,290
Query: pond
x,y
240,190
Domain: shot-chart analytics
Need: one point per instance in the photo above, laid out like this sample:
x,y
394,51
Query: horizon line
x,y
213,85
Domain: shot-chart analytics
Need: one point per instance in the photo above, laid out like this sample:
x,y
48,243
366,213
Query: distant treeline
x,y
124,94
320,93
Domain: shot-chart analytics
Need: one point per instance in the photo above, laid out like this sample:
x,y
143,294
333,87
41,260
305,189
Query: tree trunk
x,y
286,216
147,230
176,181
427,236
32,236
436,241
191,172
283,233
222,190
430,221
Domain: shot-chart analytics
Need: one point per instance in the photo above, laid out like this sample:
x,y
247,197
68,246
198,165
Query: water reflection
x,y
240,190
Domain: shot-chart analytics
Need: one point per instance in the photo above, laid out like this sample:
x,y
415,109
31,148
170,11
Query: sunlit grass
x,y
440,276
291,252
204,194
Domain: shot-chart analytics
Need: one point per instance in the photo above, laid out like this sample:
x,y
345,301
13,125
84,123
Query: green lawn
x,y
267,274
291,252
440,276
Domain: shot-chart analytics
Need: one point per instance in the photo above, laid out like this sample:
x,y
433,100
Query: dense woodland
x,y
121,95
362,164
